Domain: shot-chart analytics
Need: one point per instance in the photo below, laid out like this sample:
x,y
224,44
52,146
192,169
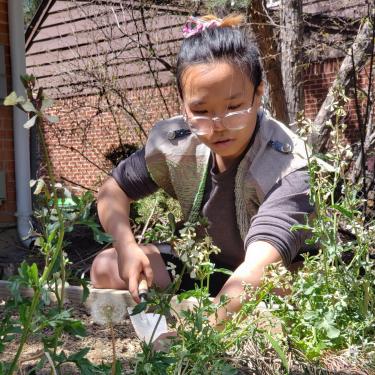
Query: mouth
x,y
222,142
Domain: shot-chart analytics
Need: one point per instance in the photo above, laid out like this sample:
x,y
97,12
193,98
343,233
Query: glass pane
x,y
200,125
236,120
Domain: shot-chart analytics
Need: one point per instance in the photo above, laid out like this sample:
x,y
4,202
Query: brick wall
x,y
318,78
8,208
92,134
84,134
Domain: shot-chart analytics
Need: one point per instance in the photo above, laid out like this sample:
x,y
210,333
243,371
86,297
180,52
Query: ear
x,y
260,89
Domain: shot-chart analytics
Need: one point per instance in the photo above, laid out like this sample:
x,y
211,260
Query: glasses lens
x,y
236,121
200,125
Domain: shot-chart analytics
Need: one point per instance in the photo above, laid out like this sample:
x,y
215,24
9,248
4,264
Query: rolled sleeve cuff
x,y
286,242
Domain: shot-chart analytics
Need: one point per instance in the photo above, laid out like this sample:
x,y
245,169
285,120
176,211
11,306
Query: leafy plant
x,y
151,217
37,315
197,347
332,301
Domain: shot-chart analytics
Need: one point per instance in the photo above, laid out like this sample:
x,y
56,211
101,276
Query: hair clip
x,y
196,25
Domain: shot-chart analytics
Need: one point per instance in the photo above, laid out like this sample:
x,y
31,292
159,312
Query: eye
x,y
201,112
233,107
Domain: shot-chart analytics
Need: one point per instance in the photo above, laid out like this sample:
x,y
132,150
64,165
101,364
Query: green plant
x,y
197,347
332,301
150,216
38,315
330,304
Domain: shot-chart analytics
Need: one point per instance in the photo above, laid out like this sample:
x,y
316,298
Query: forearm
x,y
113,211
258,256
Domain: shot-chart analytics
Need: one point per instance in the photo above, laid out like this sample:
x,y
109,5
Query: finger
x,y
147,270
133,286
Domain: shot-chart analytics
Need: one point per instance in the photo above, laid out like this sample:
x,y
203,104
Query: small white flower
x,y
172,268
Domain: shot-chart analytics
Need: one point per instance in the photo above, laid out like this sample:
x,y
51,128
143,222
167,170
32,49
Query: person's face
x,y
214,89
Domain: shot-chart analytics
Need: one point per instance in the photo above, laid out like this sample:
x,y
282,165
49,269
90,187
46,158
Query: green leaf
x,y
75,328
332,331
79,355
309,290
86,289
198,320
139,308
328,325
278,350
30,123
118,368
297,227
45,297
33,274
26,79
172,222
343,210
188,294
224,271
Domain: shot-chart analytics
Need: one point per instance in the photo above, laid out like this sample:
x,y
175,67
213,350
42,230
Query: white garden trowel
x,y
146,323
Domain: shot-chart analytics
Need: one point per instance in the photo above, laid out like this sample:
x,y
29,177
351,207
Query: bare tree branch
x,y
344,78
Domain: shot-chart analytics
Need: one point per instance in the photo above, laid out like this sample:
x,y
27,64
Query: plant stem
x,y
154,330
25,333
113,348
49,265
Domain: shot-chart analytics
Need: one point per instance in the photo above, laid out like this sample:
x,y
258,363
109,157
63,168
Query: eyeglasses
x,y
202,125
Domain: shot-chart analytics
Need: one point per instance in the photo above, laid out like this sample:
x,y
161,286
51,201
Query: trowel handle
x,y
142,287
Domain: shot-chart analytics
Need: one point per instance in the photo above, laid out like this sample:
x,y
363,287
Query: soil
x,y
81,250
98,339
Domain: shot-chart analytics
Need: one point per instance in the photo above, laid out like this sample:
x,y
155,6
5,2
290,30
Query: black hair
x,y
222,43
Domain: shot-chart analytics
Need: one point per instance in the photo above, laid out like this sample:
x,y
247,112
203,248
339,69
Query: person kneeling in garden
x,y
224,159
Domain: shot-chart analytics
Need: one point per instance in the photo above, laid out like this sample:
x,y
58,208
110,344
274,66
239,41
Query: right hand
x,y
133,263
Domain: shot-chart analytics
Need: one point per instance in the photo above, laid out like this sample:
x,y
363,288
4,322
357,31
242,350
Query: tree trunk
x,y
291,36
320,134
267,43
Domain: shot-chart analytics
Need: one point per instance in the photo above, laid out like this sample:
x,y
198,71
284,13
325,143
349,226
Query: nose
x,y
217,124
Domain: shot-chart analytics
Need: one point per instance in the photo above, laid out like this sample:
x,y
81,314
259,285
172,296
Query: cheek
x,y
203,138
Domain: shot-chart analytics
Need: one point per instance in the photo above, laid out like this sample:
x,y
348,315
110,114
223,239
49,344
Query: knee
x,y
100,273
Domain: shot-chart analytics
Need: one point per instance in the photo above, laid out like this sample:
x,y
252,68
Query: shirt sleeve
x,y
285,205
133,177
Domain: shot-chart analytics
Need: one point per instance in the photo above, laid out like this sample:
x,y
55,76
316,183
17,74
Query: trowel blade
x,y
144,325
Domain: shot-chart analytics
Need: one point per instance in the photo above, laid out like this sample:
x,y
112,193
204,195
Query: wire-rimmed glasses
x,y
202,125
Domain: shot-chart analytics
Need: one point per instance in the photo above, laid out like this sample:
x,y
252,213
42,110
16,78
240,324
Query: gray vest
x,y
178,163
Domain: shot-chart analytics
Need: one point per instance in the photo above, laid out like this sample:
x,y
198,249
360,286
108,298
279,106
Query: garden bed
x,y
98,340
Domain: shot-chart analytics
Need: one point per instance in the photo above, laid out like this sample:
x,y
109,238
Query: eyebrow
x,y
201,102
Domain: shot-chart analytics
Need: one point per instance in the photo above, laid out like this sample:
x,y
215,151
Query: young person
x,y
224,158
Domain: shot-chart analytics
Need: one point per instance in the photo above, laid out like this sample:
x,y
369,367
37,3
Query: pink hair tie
x,y
196,25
